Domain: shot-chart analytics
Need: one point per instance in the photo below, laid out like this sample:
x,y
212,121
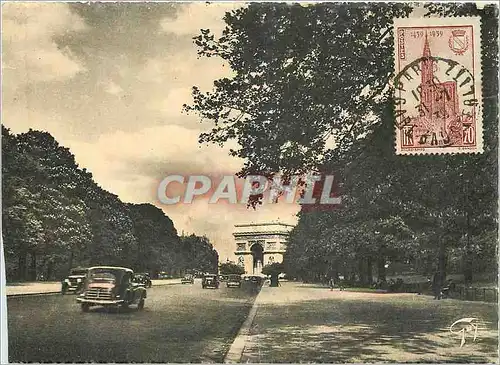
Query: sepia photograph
x,y
249,182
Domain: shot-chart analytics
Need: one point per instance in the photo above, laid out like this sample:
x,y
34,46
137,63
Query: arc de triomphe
x,y
258,245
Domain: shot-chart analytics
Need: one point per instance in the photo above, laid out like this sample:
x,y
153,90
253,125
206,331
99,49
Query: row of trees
x,y
307,75
56,217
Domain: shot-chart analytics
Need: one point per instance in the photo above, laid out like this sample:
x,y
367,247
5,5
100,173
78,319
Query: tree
x,y
228,268
293,91
273,270
157,240
199,254
56,217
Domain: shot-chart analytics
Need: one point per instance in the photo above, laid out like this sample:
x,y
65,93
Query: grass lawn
x,y
299,323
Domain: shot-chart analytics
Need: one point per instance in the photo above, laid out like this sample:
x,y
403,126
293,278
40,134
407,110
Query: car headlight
x,y
78,280
66,281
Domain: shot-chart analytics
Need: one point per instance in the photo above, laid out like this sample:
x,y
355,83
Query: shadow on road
x,y
341,330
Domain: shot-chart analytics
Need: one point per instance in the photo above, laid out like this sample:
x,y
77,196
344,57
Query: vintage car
x,y
210,281
75,281
143,278
187,279
254,279
233,281
111,286
223,277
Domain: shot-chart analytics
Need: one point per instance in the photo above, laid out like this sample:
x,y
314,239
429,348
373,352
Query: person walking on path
x,y
331,284
437,285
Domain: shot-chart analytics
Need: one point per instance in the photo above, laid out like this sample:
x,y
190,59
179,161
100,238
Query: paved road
x,y
180,323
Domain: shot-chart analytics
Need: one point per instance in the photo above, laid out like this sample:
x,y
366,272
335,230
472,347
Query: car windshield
x,y
78,272
102,274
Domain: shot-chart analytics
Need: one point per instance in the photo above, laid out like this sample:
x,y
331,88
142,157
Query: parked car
x,y
111,286
187,279
75,281
223,277
143,278
210,281
233,281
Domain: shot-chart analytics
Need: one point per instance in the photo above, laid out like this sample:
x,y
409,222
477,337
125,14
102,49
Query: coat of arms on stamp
x,y
438,86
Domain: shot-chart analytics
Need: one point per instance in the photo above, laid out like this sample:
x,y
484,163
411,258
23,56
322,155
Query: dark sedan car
x,y
111,286
210,281
143,278
234,281
75,281
187,279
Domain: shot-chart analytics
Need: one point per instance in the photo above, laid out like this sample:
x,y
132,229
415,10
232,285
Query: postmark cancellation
x,y
437,85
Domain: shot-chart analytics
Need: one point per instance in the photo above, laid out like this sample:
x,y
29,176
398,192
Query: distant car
x,y
255,279
74,282
111,286
210,281
234,281
187,279
143,278
223,277
163,275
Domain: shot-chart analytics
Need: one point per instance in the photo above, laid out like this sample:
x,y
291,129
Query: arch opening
x,y
258,257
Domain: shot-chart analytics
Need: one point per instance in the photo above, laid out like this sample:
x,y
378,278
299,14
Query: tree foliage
x,y
228,268
198,254
56,217
307,76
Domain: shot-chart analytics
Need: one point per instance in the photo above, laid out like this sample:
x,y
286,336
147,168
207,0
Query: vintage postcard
x,y
240,182
438,85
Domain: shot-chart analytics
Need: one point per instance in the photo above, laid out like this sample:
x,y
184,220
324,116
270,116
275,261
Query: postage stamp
x,y
438,86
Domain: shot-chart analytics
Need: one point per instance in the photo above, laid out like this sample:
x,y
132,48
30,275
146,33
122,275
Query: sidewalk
x,y
52,287
298,323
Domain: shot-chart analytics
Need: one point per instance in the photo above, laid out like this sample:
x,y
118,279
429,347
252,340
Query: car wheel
x,y
85,307
124,305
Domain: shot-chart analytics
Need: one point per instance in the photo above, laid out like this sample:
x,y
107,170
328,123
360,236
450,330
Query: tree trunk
x,y
21,266
381,268
369,270
70,262
468,267
361,270
33,271
442,260
50,269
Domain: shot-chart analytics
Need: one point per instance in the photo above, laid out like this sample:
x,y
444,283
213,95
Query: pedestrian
x,y
436,285
331,283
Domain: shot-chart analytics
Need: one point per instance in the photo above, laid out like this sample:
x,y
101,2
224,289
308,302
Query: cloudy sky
x,y
108,81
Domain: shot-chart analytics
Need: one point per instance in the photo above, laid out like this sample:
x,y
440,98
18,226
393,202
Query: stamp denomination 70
x,y
438,85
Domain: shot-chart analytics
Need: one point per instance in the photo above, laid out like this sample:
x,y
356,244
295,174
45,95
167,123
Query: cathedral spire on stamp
x,y
438,86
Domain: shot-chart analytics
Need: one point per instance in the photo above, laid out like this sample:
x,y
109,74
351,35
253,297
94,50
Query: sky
x,y
108,81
